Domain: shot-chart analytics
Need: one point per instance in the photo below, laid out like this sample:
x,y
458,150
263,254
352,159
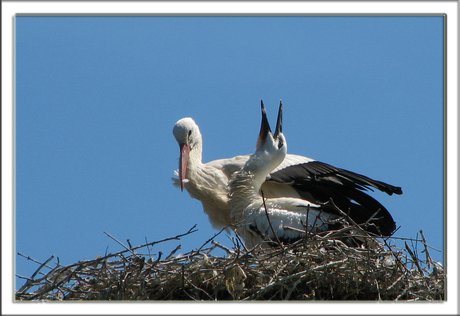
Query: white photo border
x,y
12,8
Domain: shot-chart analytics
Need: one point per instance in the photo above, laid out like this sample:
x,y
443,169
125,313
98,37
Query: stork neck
x,y
258,168
258,180
245,187
195,158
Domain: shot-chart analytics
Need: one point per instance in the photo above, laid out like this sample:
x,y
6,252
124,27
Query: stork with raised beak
x,y
282,219
296,177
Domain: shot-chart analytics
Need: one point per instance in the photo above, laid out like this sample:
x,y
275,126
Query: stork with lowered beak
x,y
296,177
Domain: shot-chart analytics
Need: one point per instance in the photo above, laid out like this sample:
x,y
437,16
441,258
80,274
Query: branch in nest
x,y
269,222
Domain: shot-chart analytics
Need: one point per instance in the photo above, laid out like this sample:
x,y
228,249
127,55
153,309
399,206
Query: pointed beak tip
x,y
265,126
279,122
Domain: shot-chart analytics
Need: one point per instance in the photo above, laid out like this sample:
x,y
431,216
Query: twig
x,y
402,266
24,277
120,243
414,259
173,252
291,289
227,250
148,248
378,289
269,222
26,286
348,218
394,283
199,289
429,260
402,294
372,217
190,231
32,259
212,238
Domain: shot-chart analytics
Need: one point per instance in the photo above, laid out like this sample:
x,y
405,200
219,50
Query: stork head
x,y
271,148
188,135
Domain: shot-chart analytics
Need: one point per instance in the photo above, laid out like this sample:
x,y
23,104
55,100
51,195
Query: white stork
x,y
296,177
278,218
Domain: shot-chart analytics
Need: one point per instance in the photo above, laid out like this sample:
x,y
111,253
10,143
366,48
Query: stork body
x,y
299,177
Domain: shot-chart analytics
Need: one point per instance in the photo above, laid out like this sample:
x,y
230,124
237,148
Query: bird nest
x,y
314,268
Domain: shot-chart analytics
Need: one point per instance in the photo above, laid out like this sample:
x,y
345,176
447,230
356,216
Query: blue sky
x,y
97,98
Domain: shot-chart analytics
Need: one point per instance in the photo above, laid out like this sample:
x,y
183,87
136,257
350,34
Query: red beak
x,y
183,161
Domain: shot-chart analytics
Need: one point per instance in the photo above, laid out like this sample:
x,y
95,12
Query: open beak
x,y
183,161
265,127
279,122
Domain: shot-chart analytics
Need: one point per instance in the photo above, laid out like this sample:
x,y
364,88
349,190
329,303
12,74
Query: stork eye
x,y
280,143
189,133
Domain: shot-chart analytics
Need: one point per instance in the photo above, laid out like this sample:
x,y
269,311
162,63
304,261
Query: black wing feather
x,y
318,182
320,171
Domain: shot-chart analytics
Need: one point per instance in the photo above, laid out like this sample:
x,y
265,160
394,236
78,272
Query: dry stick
x,y
394,283
148,249
26,285
429,260
210,239
54,285
373,216
37,282
227,250
23,277
348,218
378,289
307,236
120,243
190,231
173,252
402,293
41,266
314,223
160,253
269,222
183,277
414,258
410,239
200,289
34,260
400,264
288,295
238,243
